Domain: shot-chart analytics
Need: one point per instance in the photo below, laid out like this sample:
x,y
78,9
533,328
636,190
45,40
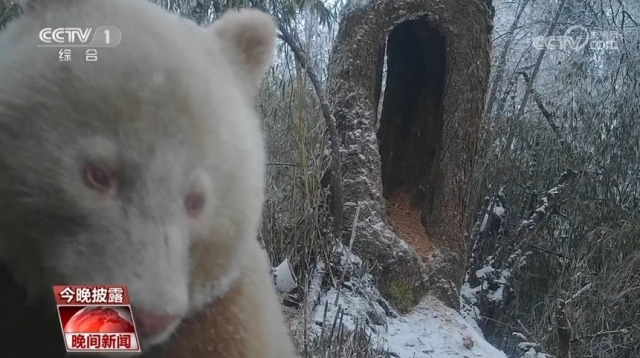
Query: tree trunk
x,y
412,177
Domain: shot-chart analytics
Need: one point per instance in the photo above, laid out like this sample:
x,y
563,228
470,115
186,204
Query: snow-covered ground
x,y
430,330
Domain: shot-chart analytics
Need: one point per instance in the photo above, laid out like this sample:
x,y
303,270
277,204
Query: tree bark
x,y
441,124
564,330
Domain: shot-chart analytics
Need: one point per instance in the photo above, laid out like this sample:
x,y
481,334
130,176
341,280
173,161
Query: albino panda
x,y
146,168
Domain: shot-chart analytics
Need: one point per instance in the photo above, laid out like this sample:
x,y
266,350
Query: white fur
x,y
214,289
170,108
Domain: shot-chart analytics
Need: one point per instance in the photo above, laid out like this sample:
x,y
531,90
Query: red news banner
x,y
96,318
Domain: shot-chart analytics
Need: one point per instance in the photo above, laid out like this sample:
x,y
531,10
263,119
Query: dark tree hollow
x,y
411,123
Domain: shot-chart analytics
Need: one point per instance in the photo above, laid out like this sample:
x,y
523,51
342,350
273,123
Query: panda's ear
x,y
248,39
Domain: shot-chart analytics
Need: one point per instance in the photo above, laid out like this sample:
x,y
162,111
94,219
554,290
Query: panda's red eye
x,y
194,203
98,177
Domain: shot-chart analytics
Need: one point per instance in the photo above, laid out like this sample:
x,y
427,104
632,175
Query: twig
x,y
531,336
353,228
536,69
312,297
559,254
580,292
545,113
499,74
353,236
283,164
617,331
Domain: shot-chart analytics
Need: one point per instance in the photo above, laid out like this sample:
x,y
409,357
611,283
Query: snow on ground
x,y
468,308
430,330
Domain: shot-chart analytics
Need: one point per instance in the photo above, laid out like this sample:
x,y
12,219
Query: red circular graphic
x,y
100,320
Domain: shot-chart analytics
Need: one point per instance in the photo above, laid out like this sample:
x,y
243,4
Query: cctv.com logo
x,y
103,36
577,37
